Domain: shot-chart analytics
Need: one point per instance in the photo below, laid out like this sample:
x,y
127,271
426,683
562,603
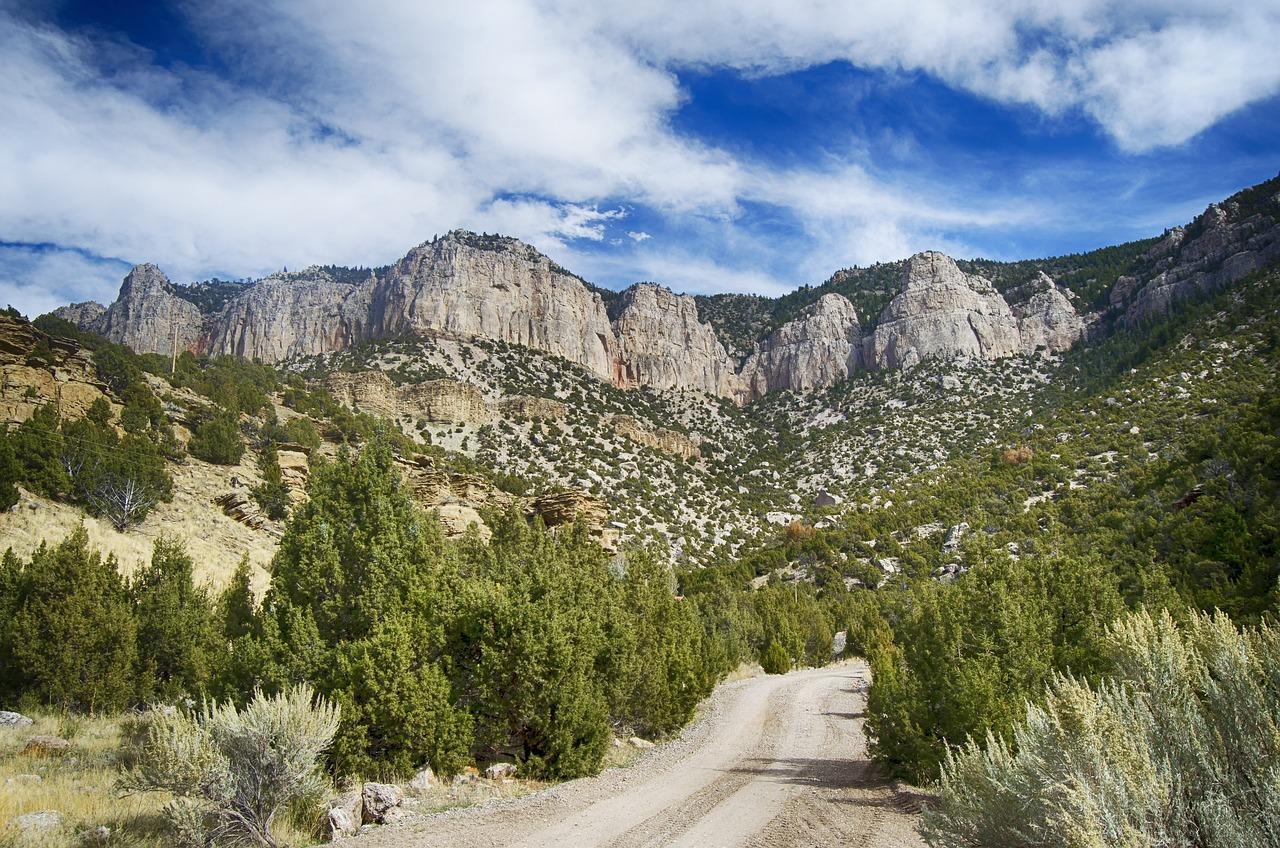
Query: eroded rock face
x,y
1221,246
1046,317
530,408
496,288
444,401
292,315
148,314
33,374
663,345
820,348
658,438
943,313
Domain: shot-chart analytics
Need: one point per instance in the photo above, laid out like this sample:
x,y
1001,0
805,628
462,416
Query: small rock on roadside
x,y
46,746
379,800
500,771
345,815
642,744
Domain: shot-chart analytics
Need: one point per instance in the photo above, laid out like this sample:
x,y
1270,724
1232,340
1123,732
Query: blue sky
x,y
716,146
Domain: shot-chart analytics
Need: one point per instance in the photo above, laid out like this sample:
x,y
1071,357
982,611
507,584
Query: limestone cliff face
x,y
445,401
495,288
1225,243
1047,319
820,348
148,313
288,315
663,345
943,313
86,315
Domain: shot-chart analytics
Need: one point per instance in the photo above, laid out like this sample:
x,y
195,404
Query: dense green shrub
x,y
968,655
217,439
1179,748
179,643
71,635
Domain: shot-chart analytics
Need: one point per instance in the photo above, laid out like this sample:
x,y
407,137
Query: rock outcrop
x,y
663,345
819,348
943,312
658,438
498,288
1223,244
442,401
36,369
1047,320
148,315
530,408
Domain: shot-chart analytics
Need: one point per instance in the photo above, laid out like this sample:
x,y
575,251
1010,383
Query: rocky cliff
x,y
1223,244
943,312
467,286
498,288
663,345
820,348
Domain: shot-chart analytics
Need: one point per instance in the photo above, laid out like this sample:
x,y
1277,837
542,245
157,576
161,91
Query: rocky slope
x,y
468,286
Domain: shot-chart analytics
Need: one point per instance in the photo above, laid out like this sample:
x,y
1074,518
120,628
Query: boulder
x,y
346,815
380,802
39,823
46,746
13,720
955,535
500,771
642,744
422,781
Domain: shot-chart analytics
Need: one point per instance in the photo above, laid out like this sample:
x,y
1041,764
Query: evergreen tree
x,y
178,639
217,439
10,471
271,494
73,635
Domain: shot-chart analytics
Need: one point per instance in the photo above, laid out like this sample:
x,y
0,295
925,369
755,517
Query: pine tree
x,y
73,634
178,639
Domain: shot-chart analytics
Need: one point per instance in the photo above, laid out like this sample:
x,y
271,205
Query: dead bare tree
x,y
122,500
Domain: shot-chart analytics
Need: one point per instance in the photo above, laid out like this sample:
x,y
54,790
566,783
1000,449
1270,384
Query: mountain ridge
x,y
469,285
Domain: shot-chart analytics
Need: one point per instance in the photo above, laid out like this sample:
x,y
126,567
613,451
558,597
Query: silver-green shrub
x,y
232,770
1180,748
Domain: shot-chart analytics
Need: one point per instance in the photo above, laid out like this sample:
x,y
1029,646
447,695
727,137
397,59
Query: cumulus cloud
x,y
638,235
347,132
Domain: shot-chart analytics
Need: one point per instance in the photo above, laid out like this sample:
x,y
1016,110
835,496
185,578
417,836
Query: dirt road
x,y
777,761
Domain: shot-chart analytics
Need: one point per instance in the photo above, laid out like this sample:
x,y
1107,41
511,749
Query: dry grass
x,y
81,785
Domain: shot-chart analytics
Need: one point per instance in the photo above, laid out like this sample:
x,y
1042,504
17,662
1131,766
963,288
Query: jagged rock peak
x,y
821,347
494,287
1047,319
944,313
148,314
663,345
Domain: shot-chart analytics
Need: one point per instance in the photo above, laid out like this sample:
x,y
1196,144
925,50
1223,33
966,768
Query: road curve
x,y
776,761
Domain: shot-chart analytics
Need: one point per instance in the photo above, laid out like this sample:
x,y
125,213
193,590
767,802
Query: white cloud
x,y
638,235
39,280
535,118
